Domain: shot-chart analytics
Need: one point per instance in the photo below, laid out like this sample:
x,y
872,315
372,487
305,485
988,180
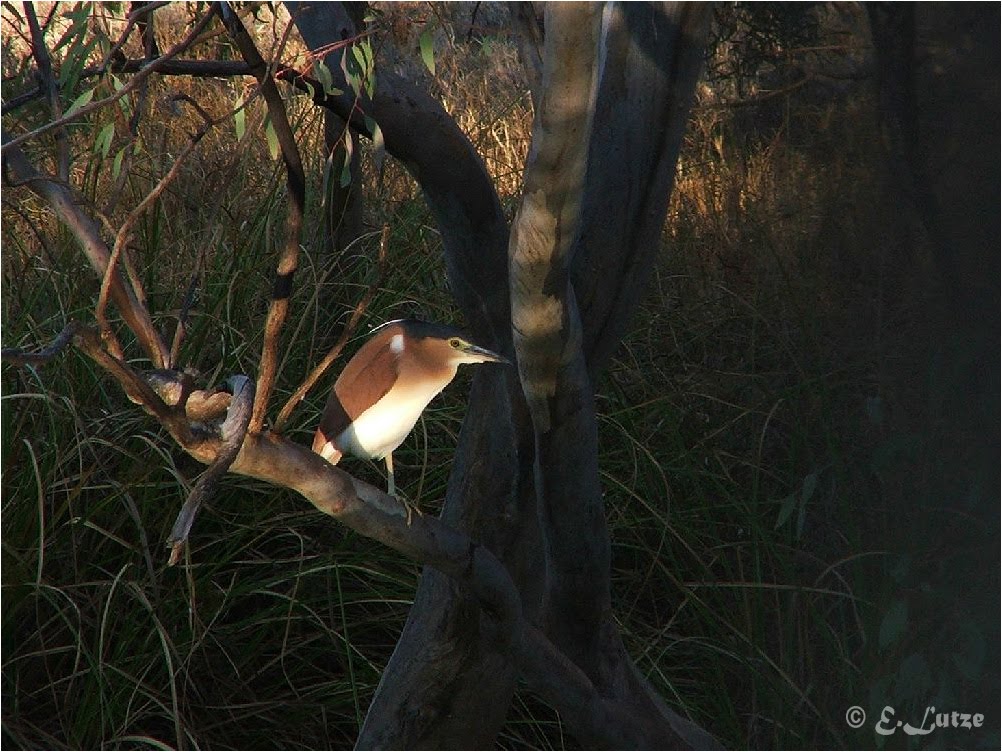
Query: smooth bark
x,y
653,54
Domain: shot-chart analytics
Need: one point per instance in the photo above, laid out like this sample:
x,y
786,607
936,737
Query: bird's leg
x,y
391,489
391,486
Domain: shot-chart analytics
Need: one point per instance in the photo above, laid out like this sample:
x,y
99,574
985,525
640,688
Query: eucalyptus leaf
x,y
428,49
103,143
82,101
116,167
240,118
272,136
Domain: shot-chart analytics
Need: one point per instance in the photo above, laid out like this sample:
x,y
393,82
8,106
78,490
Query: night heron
x,y
381,393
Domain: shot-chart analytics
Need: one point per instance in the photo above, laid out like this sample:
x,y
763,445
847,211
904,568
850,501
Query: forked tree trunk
x,y
525,482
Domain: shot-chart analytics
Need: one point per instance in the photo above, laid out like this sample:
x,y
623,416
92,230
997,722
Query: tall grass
x,y
797,510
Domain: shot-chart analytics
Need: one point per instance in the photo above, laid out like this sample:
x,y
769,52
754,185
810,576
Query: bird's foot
x,y
410,509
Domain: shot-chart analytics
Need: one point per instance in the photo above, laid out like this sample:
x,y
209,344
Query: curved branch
x,y
528,19
356,316
51,87
431,146
653,53
545,332
18,357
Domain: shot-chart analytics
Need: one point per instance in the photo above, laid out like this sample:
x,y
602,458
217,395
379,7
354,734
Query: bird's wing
x,y
365,380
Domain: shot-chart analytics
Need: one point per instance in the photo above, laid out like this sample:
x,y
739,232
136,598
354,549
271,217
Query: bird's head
x,y
439,344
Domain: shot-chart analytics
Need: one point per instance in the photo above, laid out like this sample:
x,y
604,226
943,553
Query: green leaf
x,y
272,136
786,507
893,625
807,490
239,118
794,502
328,171
428,49
82,101
350,75
378,148
323,75
358,53
377,133
116,166
806,493
346,169
103,142
368,67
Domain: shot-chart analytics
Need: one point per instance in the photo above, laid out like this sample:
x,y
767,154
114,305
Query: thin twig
x,y
20,100
296,182
128,88
48,82
126,230
194,68
182,318
356,316
130,22
18,357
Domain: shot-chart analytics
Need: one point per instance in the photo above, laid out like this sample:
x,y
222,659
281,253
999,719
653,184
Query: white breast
x,y
384,426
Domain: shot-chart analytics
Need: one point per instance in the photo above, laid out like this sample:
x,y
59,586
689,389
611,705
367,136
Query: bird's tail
x,y
326,448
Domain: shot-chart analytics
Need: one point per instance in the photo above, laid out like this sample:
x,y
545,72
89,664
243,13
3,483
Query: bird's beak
x,y
485,355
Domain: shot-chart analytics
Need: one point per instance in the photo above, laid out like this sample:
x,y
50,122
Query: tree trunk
x,y
526,484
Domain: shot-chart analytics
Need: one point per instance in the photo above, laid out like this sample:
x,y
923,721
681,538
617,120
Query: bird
x,y
381,393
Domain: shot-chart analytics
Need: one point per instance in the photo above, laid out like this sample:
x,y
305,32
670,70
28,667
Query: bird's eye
x,y
455,343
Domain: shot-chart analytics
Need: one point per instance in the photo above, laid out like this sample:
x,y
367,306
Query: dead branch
x,y
233,431
356,316
134,17
18,357
545,326
296,181
187,302
425,539
136,388
193,68
48,83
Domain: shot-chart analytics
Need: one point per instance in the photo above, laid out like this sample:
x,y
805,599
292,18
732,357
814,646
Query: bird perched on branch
x,y
385,387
